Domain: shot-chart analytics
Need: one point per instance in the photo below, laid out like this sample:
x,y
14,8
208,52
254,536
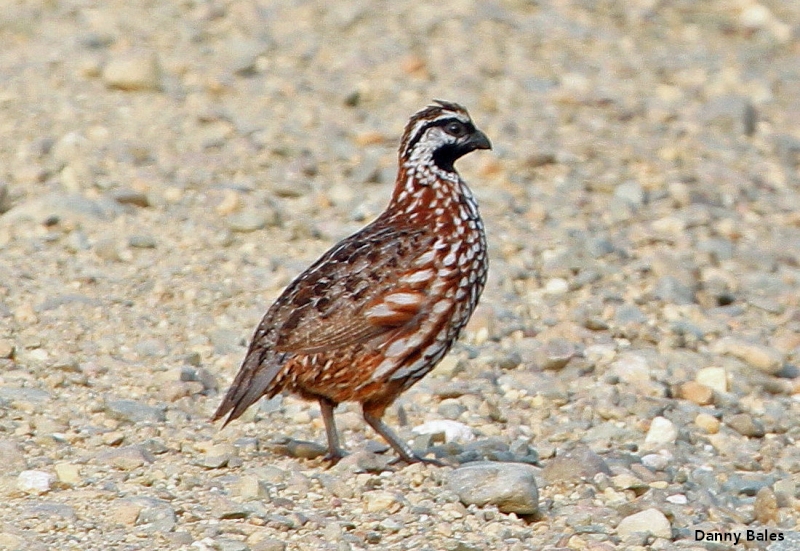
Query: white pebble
x,y
453,430
662,432
35,482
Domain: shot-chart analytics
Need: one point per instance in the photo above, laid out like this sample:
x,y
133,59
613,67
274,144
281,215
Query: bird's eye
x,y
456,129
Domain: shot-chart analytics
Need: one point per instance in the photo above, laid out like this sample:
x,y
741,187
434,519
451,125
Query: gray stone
x,y
126,458
574,466
745,424
790,542
135,412
62,207
11,457
511,487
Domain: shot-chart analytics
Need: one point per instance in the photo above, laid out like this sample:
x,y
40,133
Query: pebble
x,y
662,432
131,197
142,241
649,521
268,544
451,409
305,450
68,473
707,422
35,482
133,71
7,349
657,461
12,457
452,431
715,378
134,411
556,354
379,501
511,487
745,424
765,507
127,458
764,358
248,221
219,455
696,393
575,465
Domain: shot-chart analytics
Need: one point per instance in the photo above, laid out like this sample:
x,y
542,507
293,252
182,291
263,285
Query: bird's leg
x,y
403,450
335,452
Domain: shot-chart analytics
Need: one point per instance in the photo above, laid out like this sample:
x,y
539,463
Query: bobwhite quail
x,y
381,308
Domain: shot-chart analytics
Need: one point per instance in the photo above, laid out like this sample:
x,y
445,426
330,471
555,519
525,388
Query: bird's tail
x,y
255,379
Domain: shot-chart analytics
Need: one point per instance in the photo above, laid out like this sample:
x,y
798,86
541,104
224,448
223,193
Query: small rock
x,y
304,449
744,424
11,457
336,486
225,544
126,512
451,409
156,516
127,458
764,358
268,544
135,412
227,509
35,482
142,241
511,487
631,192
219,455
662,432
6,349
791,542
707,422
766,506
131,197
656,461
68,473
556,354
12,541
696,393
379,500
453,431
247,221
715,378
631,368
649,521
107,249
672,290
133,71
364,462
250,487
578,464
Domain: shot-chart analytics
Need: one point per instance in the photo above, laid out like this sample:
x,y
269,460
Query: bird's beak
x,y
478,140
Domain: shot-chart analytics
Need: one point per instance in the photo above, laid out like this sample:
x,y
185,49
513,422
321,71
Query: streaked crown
x,y
441,132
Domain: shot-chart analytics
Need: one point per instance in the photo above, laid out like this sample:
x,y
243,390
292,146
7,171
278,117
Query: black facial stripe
x,y
438,122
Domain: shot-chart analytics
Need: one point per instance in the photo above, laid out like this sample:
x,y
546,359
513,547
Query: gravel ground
x,y
167,167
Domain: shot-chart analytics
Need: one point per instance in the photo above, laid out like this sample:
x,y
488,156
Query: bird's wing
x,y
356,292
